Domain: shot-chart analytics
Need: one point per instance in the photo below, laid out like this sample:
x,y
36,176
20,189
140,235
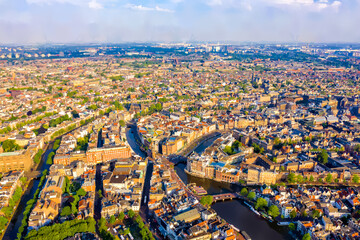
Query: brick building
x,y
19,160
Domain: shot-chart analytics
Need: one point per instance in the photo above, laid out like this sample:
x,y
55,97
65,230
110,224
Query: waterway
x,y
15,223
234,211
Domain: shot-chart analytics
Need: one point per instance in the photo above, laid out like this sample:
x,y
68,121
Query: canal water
x,y
15,223
234,211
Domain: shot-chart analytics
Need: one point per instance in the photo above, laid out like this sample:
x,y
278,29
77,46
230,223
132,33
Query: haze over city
x,y
179,120
114,21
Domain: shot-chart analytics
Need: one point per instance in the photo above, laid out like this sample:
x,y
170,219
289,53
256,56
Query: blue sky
x,y
82,21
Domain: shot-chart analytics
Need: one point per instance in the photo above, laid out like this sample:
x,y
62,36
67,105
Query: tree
x,y
206,200
112,219
74,187
10,145
23,180
122,123
251,195
299,178
131,213
292,227
261,203
291,178
323,156
355,178
311,179
102,224
244,192
81,192
304,213
273,211
293,214
66,211
100,193
315,213
306,236
357,148
121,216
328,178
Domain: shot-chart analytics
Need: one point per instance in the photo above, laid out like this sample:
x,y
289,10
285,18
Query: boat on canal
x,y
251,208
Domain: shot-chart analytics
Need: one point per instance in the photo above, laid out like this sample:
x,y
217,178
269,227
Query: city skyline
x,y
110,21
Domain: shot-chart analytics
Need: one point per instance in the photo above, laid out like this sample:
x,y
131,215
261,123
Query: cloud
x,y
143,8
95,5
310,5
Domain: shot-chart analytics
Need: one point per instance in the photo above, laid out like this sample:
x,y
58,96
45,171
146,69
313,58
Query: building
x,y
12,161
258,175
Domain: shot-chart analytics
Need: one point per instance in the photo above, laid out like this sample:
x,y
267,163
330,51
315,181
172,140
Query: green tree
x,y
251,195
355,178
329,178
112,219
131,213
100,193
121,216
299,178
66,211
315,213
102,224
10,145
357,148
122,123
81,192
273,211
293,214
244,192
291,178
292,227
306,236
261,203
323,156
206,200
311,179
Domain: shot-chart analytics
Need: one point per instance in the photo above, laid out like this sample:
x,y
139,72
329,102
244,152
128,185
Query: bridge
x,y
32,174
225,196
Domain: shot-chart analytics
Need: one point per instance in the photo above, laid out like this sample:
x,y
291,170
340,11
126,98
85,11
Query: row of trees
x,y
37,156
9,210
64,230
261,203
293,178
59,120
50,158
29,206
24,123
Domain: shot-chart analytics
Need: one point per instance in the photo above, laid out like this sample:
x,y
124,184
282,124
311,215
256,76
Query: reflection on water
x,y
235,212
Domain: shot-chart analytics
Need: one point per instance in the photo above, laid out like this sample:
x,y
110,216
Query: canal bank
x,y
15,223
234,212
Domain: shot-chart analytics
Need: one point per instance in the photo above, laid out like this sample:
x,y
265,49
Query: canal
x,y
15,222
234,211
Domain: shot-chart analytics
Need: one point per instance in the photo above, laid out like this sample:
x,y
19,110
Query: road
x,y
99,186
144,209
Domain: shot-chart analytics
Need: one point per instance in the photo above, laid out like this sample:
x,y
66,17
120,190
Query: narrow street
x,y
99,186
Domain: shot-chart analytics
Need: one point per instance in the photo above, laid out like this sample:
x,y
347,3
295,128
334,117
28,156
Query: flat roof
x,y
10,153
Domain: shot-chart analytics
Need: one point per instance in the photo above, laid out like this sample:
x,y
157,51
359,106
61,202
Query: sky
x,y
118,21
